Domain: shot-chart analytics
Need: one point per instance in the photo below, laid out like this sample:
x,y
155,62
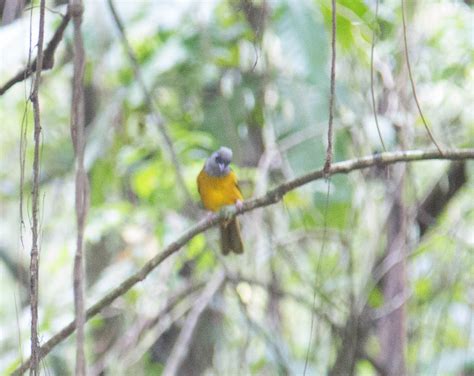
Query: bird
x,y
218,188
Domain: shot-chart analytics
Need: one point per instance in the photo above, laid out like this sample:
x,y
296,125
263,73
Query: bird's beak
x,y
221,167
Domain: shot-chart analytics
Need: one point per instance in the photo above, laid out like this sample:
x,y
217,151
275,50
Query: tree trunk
x,y
392,328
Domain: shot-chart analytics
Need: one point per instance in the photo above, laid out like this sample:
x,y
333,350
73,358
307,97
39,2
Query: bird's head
x,y
218,163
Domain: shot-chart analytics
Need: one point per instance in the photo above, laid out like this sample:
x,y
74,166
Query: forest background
x,y
365,272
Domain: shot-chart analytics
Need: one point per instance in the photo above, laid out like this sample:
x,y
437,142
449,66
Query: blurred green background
x,y
254,76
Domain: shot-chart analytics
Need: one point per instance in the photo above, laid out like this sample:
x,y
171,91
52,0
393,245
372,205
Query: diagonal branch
x,y
440,195
412,81
271,197
47,57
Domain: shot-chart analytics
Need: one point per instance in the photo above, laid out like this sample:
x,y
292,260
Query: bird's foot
x,y
239,205
209,216
227,212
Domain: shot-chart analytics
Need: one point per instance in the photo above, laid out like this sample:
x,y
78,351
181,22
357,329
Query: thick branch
x,y
47,60
391,328
272,197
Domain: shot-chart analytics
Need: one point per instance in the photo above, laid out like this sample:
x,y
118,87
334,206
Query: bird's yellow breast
x,y
217,192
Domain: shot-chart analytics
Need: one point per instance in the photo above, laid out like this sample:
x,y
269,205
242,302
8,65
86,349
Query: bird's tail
x,y
230,237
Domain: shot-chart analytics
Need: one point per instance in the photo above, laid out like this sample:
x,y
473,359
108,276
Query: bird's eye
x,y
219,159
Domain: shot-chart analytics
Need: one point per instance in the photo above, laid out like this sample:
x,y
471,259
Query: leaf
x,y
145,181
423,289
375,298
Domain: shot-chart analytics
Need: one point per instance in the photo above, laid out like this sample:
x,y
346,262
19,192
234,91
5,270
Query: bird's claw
x,y
239,205
209,216
227,212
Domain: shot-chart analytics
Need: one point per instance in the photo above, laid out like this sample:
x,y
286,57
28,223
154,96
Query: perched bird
x,y
217,186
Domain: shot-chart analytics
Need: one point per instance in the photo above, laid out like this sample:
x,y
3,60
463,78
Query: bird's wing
x,y
236,183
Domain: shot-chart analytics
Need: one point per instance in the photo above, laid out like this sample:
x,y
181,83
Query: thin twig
x,y
22,158
323,247
271,197
329,150
328,161
150,101
412,81
374,106
78,140
34,263
20,342
23,136
180,349
49,9
47,57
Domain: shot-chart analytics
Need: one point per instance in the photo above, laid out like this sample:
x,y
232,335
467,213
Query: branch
x,y
412,81
332,94
34,257
390,306
47,60
271,197
81,199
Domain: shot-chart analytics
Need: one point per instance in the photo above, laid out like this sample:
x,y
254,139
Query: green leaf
x,y
423,289
257,366
145,181
376,299
365,368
